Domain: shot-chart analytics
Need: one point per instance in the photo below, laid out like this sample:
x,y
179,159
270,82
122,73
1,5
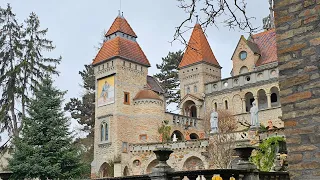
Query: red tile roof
x,y
266,42
120,24
147,94
121,47
198,49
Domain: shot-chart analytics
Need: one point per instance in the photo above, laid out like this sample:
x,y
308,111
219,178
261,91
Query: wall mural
x,y
105,91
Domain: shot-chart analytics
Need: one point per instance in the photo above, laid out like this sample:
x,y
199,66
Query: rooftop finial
x,y
197,22
122,14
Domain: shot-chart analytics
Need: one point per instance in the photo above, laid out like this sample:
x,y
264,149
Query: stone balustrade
x,y
180,120
240,81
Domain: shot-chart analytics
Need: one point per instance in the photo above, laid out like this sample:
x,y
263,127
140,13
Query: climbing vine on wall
x,y
265,155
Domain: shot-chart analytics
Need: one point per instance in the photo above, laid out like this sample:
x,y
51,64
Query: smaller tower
x,y
197,67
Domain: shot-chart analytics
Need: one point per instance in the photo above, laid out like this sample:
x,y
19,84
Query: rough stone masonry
x,y
298,40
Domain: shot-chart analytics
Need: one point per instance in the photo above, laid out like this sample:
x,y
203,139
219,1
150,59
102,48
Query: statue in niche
x,y
174,139
254,115
214,121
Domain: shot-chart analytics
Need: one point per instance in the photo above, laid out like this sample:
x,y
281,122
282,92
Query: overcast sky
x,y
76,26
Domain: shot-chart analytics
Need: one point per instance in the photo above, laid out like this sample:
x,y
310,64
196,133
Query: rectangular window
x,y
111,63
126,98
102,66
129,65
136,67
141,68
124,63
107,65
143,137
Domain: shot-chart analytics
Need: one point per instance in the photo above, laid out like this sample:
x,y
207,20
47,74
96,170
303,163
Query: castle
x,y
130,105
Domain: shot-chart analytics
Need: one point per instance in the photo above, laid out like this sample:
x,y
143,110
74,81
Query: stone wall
x,y
298,40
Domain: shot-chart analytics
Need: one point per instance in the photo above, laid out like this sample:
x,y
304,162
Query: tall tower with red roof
x,y
125,109
197,67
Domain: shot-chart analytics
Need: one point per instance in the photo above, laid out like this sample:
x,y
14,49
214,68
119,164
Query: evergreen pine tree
x,y
11,51
45,150
168,76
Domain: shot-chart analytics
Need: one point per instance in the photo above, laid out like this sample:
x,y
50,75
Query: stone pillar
x,y
256,100
198,111
117,170
269,99
243,105
244,164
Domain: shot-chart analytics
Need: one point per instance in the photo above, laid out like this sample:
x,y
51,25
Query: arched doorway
x,y
178,134
194,136
190,109
151,165
106,170
262,99
126,171
249,99
193,163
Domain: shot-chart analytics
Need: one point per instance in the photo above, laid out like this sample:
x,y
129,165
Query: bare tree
x,y
220,149
232,13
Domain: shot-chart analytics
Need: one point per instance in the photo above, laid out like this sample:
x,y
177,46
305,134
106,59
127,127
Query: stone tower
x,y
197,67
121,70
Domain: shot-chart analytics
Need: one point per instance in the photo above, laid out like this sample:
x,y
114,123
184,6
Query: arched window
x,y
243,70
274,97
226,104
215,106
107,132
195,89
102,132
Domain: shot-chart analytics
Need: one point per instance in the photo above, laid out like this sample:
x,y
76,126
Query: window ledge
x,y
104,144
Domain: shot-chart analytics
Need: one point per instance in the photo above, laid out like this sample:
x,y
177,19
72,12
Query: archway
x,y
274,91
151,165
243,70
190,109
262,99
126,171
178,134
106,170
193,163
194,136
249,99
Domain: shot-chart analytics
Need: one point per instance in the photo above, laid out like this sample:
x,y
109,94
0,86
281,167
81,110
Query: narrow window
x,y
99,68
126,99
107,133
226,104
102,66
124,63
129,65
215,106
107,65
195,89
188,90
141,68
111,63
274,98
102,132
136,67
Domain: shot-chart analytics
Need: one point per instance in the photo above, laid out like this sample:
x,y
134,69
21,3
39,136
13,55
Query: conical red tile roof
x,y
198,49
120,46
120,24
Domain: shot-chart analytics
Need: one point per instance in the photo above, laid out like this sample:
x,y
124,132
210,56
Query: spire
x,y
120,24
121,45
198,49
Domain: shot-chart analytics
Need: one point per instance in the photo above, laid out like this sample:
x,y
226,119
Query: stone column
x,y
243,105
198,111
160,171
269,99
256,100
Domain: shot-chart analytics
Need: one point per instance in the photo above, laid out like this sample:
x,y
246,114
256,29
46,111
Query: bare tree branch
x,y
233,13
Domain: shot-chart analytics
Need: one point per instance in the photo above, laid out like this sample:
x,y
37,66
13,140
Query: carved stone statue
x,y
214,121
254,115
174,138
